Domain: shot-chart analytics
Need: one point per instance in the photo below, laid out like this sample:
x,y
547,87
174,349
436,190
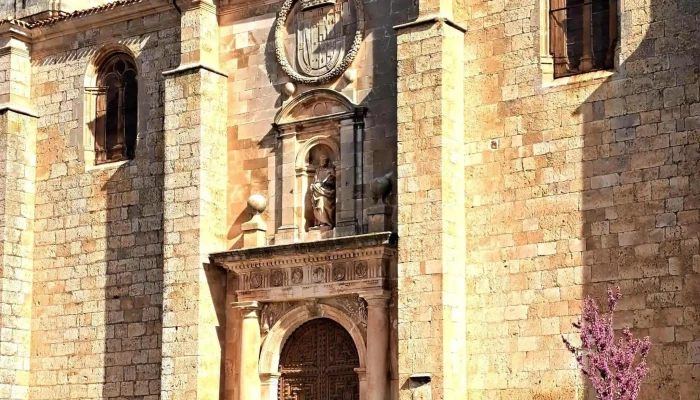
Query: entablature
x,y
307,270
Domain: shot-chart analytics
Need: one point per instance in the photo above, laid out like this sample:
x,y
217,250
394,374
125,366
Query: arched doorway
x,y
318,362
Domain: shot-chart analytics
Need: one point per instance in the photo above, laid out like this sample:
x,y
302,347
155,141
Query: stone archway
x,y
319,362
281,287
283,329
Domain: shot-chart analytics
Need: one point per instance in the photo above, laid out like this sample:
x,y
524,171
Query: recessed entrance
x,y
318,362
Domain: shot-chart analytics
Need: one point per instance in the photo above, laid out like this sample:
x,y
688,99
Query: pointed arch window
x,y
116,109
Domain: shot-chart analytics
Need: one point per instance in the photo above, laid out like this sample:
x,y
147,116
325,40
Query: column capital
x,y
267,376
376,298
249,309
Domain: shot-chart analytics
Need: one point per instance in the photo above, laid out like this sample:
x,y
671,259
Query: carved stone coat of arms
x,y
320,41
323,48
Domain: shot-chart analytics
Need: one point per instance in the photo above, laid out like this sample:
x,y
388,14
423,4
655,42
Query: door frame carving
x,y
281,331
312,278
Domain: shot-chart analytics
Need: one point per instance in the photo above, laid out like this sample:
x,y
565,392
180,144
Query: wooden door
x,y
318,362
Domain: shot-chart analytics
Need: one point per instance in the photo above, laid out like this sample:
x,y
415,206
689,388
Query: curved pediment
x,y
316,104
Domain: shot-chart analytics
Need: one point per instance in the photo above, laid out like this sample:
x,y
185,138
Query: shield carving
x,y
320,41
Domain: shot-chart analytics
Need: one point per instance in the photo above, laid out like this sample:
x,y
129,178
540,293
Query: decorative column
x,y
362,376
346,218
287,231
18,126
250,341
269,384
377,363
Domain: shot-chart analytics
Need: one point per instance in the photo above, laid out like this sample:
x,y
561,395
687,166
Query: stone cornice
x,y
5,107
431,19
349,247
237,6
185,5
78,21
190,68
15,31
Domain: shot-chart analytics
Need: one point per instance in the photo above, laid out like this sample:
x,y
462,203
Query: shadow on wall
x,y
134,258
641,189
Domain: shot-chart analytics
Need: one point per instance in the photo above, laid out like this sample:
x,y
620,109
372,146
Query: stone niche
x,y
318,168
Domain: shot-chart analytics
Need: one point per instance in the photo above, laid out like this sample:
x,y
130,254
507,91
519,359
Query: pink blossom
x,y
608,363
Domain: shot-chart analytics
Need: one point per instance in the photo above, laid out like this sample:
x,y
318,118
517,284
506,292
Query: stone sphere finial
x,y
381,188
350,75
257,203
289,88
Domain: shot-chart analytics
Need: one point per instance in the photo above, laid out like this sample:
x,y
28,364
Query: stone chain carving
x,y
335,71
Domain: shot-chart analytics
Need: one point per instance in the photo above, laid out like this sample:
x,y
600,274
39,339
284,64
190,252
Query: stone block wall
x,y
194,217
255,96
98,268
575,186
17,171
17,193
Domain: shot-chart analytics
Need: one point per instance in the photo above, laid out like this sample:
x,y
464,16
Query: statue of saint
x,y
323,194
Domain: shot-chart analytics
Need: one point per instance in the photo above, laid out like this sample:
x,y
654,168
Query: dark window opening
x,y
583,35
116,116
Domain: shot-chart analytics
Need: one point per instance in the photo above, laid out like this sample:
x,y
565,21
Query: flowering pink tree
x,y
609,364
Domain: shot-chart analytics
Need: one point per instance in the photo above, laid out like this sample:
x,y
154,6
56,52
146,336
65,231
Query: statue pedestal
x,y
318,233
255,232
379,218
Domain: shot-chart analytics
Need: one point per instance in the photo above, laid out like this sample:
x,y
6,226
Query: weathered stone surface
x,y
514,196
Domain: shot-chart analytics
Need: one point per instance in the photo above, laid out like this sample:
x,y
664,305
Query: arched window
x,y
116,109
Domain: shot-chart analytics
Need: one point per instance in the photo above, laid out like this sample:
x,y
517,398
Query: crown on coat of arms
x,y
310,4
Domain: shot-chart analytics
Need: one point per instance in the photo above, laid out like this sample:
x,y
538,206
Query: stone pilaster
x,y
194,215
288,230
377,371
249,351
346,215
17,190
431,216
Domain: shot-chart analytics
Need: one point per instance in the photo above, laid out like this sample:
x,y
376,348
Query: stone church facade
x,y
343,199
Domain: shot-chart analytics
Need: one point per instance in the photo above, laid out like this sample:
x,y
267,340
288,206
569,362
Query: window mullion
x,y
612,13
99,124
120,123
587,54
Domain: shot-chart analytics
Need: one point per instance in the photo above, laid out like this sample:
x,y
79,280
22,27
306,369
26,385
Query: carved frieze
x,y
339,272
297,275
256,279
328,268
361,269
353,305
277,278
331,272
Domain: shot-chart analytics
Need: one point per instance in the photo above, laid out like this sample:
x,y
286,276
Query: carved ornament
x,y
332,68
297,271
